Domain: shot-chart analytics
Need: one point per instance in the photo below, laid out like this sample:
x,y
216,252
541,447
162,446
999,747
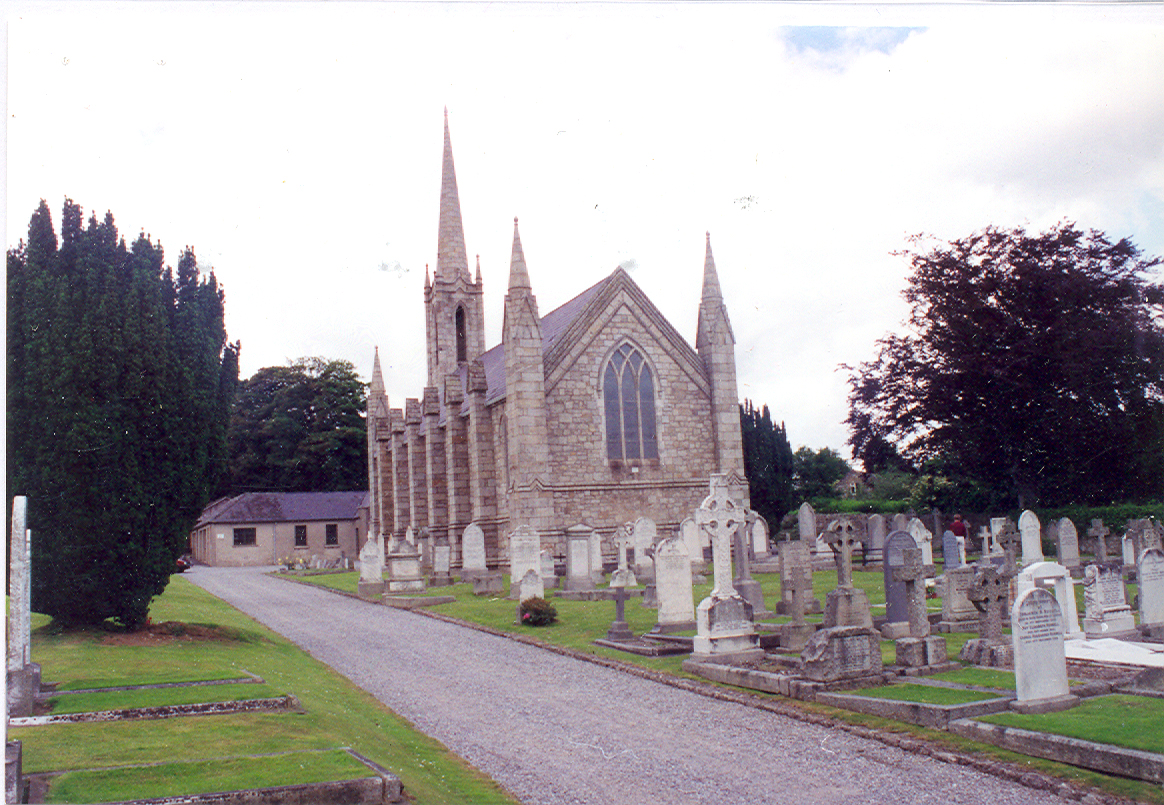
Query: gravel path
x,y
553,729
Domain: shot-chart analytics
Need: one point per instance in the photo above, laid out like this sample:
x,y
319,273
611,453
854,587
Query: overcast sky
x,y
297,148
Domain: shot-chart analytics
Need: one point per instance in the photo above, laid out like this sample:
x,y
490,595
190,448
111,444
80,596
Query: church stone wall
x,y
593,490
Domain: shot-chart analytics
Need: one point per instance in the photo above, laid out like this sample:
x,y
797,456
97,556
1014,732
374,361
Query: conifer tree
x,y
117,373
768,463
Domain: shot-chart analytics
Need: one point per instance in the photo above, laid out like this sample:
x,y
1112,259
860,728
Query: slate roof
x,y
284,507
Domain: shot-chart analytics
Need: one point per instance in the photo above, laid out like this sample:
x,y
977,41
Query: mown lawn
x,y
1134,722
338,714
924,694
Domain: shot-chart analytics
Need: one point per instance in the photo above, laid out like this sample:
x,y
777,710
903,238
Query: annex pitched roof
x,y
284,507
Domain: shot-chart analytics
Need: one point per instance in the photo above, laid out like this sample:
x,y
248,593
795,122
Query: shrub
x,y
537,612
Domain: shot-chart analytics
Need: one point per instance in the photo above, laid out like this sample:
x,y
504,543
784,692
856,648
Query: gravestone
x,y
1056,579
531,586
724,627
1128,544
1032,537
876,530
23,674
794,562
760,547
923,538
597,573
806,524
841,652
990,593
745,585
645,533
425,545
1099,532
918,648
896,602
796,583
371,583
623,539
1040,664
472,552
525,548
489,584
619,630
951,551
689,532
404,568
1067,546
958,611
846,605
1151,575
578,559
546,570
442,557
673,587
1106,611
1010,540
900,523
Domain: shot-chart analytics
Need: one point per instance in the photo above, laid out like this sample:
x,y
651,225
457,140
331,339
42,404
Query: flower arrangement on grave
x,y
293,563
537,612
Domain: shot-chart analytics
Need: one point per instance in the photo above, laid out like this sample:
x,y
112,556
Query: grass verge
x,y
924,694
338,714
1133,722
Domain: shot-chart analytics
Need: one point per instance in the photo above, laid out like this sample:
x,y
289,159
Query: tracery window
x,y
628,395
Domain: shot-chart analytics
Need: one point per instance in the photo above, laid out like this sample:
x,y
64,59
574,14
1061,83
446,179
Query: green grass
x,y
184,779
150,678
982,677
1132,722
925,694
337,713
158,697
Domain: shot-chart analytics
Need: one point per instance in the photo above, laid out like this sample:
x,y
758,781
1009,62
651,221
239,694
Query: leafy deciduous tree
x,y
1034,364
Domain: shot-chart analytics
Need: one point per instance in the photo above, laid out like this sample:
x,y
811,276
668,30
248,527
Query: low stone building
x,y
593,414
262,528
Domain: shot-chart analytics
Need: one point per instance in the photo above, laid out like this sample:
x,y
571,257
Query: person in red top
x,y
958,527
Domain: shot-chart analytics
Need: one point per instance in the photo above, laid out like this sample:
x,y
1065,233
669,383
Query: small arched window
x,y
460,323
628,395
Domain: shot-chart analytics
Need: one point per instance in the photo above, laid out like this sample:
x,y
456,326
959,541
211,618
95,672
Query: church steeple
x,y
451,257
453,300
518,274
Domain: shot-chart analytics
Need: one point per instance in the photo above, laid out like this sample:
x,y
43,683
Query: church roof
x,y
283,507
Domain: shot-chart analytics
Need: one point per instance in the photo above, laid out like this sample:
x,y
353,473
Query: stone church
x,y
595,413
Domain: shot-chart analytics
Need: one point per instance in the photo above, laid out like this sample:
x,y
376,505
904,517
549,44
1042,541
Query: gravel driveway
x,y
552,729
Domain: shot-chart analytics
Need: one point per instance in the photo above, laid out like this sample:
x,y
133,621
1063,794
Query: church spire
x,y
451,259
518,275
377,376
710,277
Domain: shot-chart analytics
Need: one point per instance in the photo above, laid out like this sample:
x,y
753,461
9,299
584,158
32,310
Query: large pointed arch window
x,y
628,395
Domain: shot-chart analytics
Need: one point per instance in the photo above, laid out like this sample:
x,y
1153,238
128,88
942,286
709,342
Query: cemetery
x,y
997,648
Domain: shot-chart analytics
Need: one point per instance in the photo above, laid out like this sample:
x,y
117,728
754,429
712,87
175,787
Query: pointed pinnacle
x,y
451,260
518,275
478,279
377,386
710,277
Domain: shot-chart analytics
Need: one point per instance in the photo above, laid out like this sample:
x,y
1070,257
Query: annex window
x,y
628,396
331,534
300,536
245,536
461,336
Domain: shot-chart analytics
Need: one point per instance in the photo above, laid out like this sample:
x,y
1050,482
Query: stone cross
x,y
842,537
619,630
1010,539
914,574
720,516
990,593
623,539
18,615
799,581
1100,532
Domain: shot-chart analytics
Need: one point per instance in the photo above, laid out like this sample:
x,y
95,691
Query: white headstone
x,y
644,535
924,539
760,537
806,521
1106,611
578,558
371,561
473,548
595,543
441,559
531,586
1129,546
900,523
690,534
524,554
673,584
1032,534
1040,664
1056,579
1151,581
19,638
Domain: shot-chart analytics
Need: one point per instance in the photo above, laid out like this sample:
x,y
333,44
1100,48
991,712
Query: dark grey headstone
x,y
896,602
950,553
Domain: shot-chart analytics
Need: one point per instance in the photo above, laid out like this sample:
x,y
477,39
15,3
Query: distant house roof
x,y
284,507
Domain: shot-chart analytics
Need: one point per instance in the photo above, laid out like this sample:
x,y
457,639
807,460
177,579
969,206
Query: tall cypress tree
x,y
116,373
768,463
